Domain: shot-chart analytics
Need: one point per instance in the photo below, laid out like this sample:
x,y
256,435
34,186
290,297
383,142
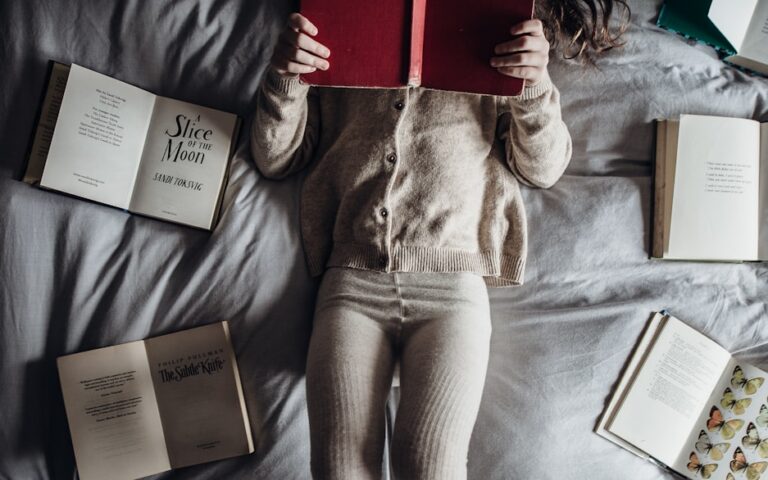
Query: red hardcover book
x,y
441,44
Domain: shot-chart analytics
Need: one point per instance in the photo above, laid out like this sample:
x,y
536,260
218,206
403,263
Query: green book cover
x,y
690,18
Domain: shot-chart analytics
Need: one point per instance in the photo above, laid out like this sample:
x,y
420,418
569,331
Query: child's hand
x,y
296,52
526,56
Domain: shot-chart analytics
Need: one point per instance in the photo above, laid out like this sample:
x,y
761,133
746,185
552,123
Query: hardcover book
x,y
738,28
145,407
711,189
105,140
687,405
444,45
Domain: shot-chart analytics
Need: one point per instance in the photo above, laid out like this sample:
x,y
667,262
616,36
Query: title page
x,y
112,413
99,135
199,394
184,163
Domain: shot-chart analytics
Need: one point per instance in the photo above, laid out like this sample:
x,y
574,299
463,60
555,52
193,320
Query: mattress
x,y
75,275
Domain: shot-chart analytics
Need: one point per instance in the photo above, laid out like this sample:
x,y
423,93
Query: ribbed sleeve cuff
x,y
533,91
290,86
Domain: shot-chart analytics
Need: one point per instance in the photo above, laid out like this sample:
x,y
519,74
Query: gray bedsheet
x,y
75,275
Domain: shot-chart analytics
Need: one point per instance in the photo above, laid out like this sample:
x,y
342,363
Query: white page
x,y
763,247
672,387
727,438
714,209
755,46
113,413
732,18
639,354
98,139
180,177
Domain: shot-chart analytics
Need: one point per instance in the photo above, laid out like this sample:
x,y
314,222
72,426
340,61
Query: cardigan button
x,y
399,105
383,212
391,158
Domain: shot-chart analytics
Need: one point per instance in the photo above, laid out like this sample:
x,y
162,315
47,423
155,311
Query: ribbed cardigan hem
x,y
498,270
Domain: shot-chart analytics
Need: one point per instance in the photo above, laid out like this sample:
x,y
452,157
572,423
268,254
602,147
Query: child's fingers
x,y
525,43
526,73
292,53
285,65
299,22
304,42
524,59
528,27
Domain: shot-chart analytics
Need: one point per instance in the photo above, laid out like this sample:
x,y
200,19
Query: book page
x,y
714,209
670,165
732,18
638,356
755,46
49,112
199,394
671,388
184,163
112,413
763,208
737,401
99,135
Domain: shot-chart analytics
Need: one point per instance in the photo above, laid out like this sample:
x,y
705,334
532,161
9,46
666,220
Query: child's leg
x,y
444,358
349,373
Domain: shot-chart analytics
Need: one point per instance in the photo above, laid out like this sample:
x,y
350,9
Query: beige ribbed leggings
x,y
438,326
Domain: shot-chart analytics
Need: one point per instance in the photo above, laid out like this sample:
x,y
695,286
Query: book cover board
x,y
443,45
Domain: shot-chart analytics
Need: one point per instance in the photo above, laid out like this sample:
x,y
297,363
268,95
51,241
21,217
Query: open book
x,y
710,189
445,45
145,407
685,403
739,28
113,143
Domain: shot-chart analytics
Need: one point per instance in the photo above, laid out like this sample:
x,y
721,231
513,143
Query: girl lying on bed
x,y
410,208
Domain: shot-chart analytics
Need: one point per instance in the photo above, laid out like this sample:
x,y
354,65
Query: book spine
x,y
417,42
659,169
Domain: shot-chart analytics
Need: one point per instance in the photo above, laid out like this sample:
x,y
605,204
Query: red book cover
x,y
441,44
369,41
459,37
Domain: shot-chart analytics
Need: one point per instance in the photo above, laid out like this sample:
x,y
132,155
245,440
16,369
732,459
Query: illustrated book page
x,y
732,426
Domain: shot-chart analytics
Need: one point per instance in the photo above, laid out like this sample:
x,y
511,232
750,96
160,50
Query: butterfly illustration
x,y
762,418
737,406
739,463
753,441
727,429
695,466
706,447
738,380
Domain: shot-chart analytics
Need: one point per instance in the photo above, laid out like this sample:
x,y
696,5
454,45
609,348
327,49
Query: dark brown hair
x,y
582,28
